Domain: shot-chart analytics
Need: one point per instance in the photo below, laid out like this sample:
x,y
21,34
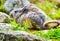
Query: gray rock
x,y
10,5
5,27
7,34
18,36
4,17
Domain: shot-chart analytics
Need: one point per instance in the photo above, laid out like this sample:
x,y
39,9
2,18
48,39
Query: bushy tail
x,y
51,24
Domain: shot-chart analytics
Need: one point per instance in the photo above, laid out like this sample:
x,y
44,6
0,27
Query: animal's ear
x,y
51,24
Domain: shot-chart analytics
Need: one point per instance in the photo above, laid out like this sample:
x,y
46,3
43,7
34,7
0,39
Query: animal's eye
x,y
15,11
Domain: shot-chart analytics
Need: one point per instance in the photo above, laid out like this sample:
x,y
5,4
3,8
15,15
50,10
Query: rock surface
x,y
5,27
18,36
10,5
7,34
4,17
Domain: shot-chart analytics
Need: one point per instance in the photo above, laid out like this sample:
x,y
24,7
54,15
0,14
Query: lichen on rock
x,y
4,18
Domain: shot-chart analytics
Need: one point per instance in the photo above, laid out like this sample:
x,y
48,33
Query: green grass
x,y
19,27
53,34
1,4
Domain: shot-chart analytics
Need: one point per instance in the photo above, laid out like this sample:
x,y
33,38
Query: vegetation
x,y
1,4
19,27
50,34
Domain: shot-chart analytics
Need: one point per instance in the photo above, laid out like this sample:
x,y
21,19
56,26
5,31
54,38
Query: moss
x,y
1,4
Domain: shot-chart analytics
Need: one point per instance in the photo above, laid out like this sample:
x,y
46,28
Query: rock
x,y
7,34
4,18
5,27
18,36
10,5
